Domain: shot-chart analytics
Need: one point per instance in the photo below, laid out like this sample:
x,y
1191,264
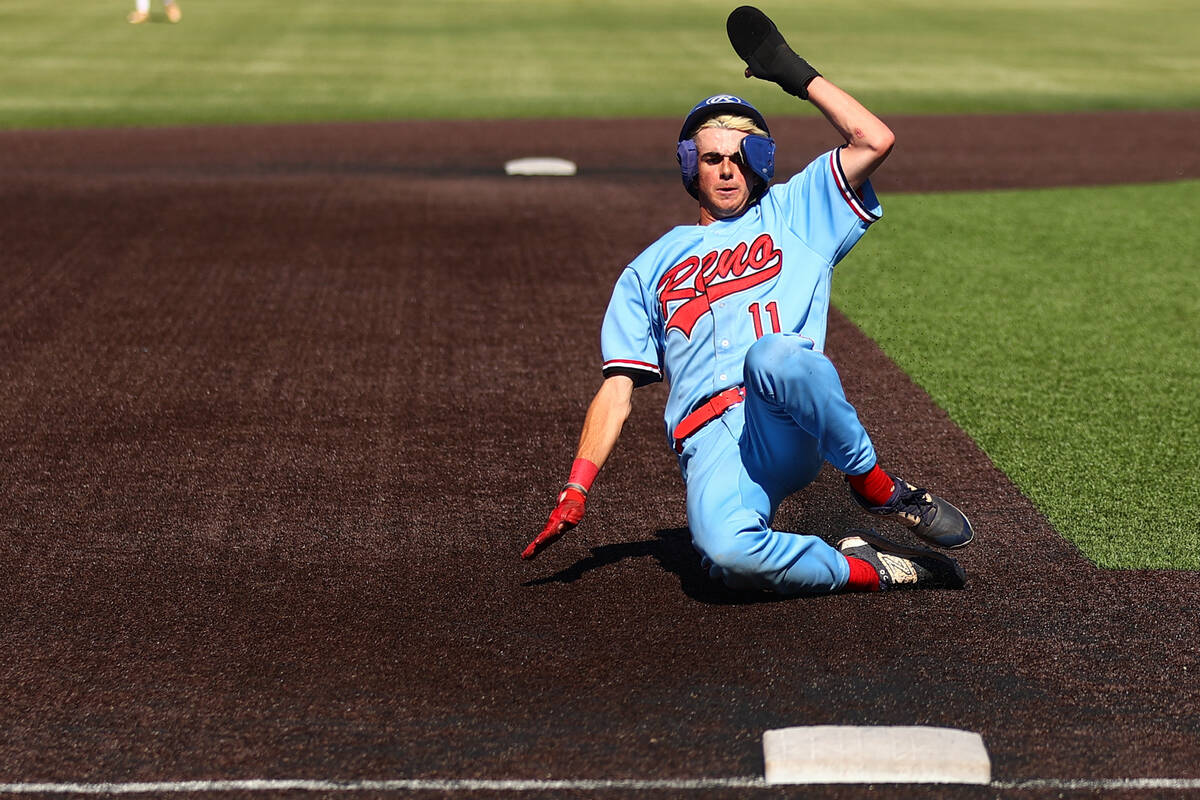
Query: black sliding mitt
x,y
760,44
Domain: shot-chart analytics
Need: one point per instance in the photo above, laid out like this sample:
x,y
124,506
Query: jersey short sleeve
x,y
627,340
823,210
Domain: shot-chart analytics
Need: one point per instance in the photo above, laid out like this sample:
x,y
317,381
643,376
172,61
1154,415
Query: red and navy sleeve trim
x,y
641,372
851,197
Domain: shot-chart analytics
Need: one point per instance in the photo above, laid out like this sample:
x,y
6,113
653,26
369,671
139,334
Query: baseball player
x,y
141,12
731,311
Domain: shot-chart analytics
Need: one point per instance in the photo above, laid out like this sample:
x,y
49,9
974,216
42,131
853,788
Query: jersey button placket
x,y
721,344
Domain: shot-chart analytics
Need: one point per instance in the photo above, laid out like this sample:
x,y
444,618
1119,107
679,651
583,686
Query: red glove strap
x,y
583,473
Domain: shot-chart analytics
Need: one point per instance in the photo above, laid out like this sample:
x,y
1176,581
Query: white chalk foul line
x,y
481,785
1104,784
436,785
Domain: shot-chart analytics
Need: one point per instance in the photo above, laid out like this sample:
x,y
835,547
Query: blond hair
x,y
731,122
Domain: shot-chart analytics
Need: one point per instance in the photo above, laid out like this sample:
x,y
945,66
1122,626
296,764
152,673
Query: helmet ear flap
x,y
758,153
689,165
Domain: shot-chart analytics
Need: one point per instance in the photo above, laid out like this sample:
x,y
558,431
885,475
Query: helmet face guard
x,y
758,152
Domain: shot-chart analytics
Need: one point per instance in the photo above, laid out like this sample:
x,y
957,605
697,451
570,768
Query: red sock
x,y
863,577
876,486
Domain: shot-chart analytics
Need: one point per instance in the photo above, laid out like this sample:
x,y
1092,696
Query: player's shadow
x,y
672,549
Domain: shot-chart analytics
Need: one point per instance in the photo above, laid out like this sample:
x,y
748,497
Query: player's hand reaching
x,y
565,516
760,44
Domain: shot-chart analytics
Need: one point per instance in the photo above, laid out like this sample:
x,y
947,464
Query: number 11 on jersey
x,y
756,314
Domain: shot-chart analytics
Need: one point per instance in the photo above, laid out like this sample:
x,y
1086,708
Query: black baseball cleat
x,y
903,566
935,520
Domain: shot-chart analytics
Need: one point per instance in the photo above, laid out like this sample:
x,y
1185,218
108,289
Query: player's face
x,y
724,181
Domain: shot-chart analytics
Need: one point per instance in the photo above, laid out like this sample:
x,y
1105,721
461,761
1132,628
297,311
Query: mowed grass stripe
x,y
1059,329
273,60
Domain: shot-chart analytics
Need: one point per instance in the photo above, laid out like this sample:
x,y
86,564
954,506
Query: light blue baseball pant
x,y
739,468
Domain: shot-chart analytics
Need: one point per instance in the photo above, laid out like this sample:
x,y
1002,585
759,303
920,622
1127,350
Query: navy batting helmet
x,y
758,152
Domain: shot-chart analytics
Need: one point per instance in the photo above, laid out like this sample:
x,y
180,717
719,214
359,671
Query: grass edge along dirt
x,y
1057,328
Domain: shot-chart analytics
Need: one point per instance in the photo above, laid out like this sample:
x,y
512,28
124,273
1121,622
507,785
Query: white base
x,y
855,754
539,166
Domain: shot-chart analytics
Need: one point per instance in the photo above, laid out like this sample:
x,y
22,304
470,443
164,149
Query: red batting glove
x,y
566,516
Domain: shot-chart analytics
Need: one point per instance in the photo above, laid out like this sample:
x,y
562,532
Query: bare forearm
x,y
868,139
605,418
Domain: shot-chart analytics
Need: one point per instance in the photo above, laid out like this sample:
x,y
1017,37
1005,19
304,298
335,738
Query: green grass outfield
x,y
298,60
1059,329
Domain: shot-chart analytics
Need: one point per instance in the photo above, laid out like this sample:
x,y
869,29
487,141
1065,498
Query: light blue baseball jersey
x,y
689,307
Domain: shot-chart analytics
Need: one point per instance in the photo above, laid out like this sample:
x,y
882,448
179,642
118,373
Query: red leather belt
x,y
709,410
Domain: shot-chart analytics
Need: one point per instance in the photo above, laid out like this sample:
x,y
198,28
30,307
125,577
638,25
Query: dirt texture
x,y
280,406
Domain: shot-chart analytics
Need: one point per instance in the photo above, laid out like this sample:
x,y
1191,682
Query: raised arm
x,y
768,56
601,428
868,140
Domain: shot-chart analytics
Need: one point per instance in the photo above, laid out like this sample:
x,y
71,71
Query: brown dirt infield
x,y
280,407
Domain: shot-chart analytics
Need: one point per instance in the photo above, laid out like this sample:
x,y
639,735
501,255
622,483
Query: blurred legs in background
x,y
141,12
